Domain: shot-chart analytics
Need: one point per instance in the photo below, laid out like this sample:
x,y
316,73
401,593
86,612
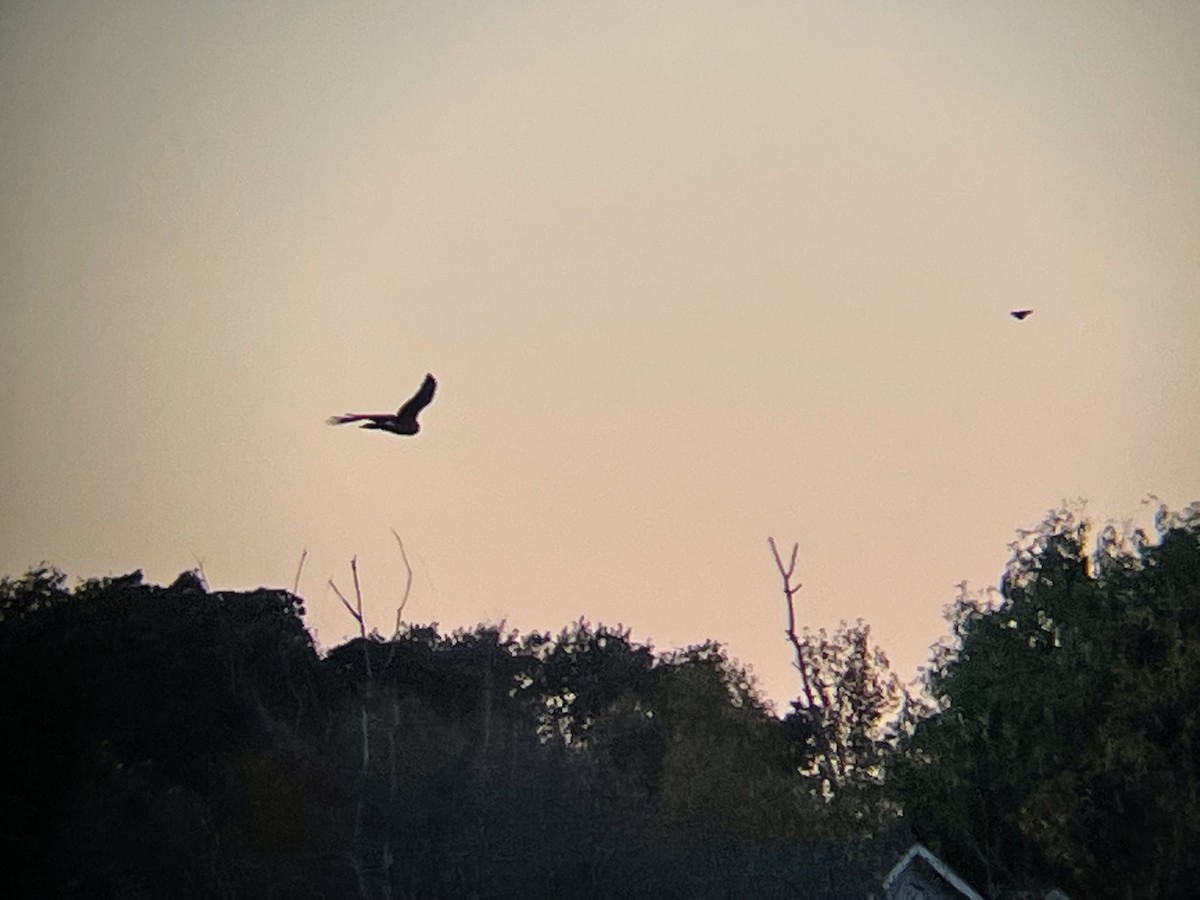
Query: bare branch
x,y
299,569
817,703
355,854
362,625
786,573
789,592
346,603
407,584
403,600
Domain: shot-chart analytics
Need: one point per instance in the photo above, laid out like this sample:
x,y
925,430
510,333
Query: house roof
x,y
949,875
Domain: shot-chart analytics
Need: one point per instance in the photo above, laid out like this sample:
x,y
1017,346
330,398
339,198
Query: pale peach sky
x,y
689,274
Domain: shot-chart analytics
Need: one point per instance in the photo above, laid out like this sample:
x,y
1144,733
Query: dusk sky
x,y
689,274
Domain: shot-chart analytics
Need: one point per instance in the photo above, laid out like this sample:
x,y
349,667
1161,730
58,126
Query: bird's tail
x,y
342,420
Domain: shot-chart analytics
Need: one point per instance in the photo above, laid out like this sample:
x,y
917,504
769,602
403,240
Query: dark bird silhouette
x,y
1020,314
403,421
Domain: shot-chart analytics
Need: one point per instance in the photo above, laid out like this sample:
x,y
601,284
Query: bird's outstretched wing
x,y
1020,314
357,417
421,399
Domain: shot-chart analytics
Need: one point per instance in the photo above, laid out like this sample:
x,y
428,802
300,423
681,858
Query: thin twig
x,y
299,569
362,625
407,584
788,590
346,603
403,601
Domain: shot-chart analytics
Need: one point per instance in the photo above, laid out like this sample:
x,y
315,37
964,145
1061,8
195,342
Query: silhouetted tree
x,y
845,720
179,741
1066,745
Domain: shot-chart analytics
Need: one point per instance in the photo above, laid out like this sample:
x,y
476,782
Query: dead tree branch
x,y
789,593
346,603
299,569
356,611
355,854
403,600
407,584
817,702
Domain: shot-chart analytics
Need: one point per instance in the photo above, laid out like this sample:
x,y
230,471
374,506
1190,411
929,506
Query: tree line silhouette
x,y
176,741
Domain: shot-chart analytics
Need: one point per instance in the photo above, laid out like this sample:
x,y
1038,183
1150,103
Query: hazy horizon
x,y
689,275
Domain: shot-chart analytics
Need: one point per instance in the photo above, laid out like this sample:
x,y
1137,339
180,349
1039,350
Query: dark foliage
x,y
170,742
1066,747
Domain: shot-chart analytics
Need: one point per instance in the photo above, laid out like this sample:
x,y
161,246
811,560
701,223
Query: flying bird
x,y
403,421
1020,314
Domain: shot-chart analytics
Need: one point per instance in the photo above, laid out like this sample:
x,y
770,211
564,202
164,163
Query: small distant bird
x,y
403,421
1020,314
